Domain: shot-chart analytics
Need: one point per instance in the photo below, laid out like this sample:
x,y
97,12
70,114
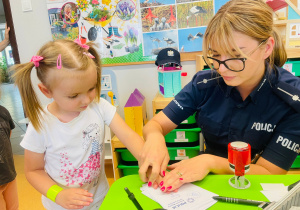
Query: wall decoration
x,y
132,31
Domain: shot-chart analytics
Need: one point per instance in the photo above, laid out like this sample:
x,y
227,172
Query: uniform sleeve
x,y
107,111
185,103
33,141
284,145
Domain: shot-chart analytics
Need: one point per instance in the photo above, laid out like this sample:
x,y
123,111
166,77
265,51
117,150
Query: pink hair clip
x,y
36,60
81,45
58,62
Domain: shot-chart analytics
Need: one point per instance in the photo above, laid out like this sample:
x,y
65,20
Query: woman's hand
x,y
74,198
185,171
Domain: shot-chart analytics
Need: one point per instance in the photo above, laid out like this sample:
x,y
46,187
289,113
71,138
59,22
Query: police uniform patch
x,y
207,79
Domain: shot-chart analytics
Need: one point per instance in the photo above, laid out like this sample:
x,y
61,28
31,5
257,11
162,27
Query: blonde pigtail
x,y
31,104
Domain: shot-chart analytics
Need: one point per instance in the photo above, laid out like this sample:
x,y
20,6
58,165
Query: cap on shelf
x,y
166,56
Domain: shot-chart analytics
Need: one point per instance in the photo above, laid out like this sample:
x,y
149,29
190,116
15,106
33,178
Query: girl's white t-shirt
x,y
74,151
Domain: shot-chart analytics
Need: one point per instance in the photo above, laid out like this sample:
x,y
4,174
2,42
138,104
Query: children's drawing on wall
x,y
190,40
158,18
126,32
112,24
152,3
60,28
126,9
194,14
156,41
70,13
130,36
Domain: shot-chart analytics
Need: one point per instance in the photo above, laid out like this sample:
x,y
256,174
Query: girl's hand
x,y
185,171
74,198
154,155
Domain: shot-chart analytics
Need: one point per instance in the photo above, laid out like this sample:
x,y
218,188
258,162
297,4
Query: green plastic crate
x,y
190,120
183,135
126,155
182,153
293,66
296,163
129,170
176,153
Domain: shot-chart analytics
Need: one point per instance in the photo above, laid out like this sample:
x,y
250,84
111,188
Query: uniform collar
x,y
267,80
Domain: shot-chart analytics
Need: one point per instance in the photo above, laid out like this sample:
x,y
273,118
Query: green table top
x,y
117,198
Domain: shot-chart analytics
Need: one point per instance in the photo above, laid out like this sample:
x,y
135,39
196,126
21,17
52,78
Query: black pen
x,y
132,198
238,200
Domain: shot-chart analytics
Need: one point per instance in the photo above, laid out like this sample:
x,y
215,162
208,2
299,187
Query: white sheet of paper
x,y
189,196
274,192
268,186
273,195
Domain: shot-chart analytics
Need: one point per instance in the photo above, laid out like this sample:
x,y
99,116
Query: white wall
x,y
33,30
144,78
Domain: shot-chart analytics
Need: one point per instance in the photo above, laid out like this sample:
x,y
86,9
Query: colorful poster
x,y
112,24
130,31
178,24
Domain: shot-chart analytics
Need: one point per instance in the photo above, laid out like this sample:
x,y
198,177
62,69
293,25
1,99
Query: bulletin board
x,y
131,32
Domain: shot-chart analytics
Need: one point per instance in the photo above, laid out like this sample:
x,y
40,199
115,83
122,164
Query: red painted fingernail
x,y
161,183
149,184
181,179
169,188
164,173
162,189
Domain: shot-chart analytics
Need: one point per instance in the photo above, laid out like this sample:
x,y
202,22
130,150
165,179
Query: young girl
x,y
64,143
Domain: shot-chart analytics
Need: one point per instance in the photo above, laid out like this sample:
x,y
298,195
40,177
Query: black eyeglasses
x,y
233,64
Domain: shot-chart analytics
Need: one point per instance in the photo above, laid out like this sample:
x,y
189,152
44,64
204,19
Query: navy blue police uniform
x,y
268,119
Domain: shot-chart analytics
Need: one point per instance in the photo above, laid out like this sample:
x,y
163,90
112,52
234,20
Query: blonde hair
x,y
250,17
73,58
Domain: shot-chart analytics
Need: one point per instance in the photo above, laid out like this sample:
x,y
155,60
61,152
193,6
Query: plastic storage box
x,y
126,155
296,163
176,153
183,135
190,120
182,153
129,170
293,66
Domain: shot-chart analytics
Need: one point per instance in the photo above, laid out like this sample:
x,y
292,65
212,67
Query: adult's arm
x,y
197,168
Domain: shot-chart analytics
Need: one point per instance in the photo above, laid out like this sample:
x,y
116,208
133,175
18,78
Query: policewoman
x,y
246,96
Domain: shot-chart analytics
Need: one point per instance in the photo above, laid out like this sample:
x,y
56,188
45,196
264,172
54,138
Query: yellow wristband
x,y
53,191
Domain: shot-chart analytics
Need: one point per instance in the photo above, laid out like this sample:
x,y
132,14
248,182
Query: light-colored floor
x,y
29,198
